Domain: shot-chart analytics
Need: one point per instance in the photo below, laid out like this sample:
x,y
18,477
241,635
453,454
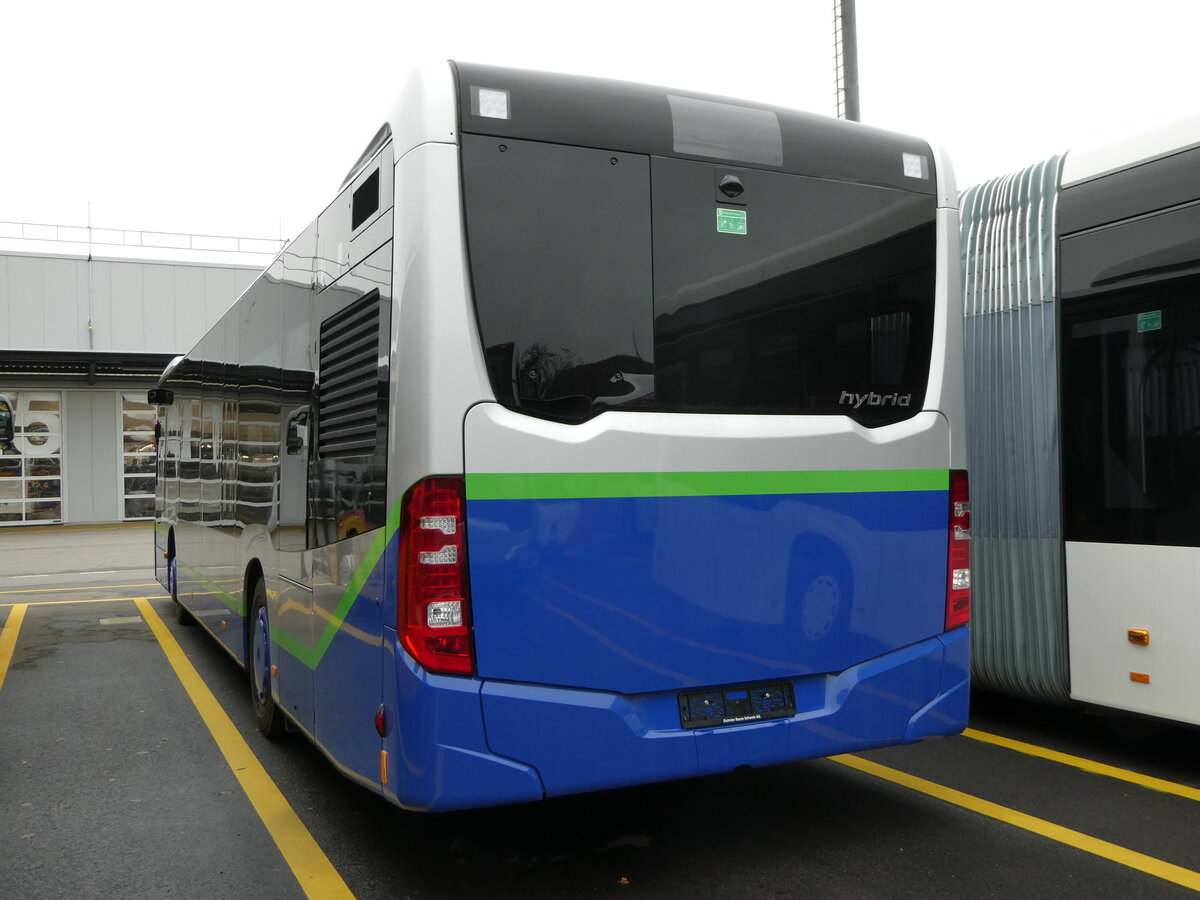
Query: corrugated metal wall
x,y
1019,595
135,306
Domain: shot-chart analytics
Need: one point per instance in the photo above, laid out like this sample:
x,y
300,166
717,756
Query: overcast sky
x,y
241,118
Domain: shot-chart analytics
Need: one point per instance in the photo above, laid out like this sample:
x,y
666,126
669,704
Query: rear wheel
x,y
266,713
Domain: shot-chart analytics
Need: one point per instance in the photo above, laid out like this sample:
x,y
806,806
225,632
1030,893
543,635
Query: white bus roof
x,y
1155,143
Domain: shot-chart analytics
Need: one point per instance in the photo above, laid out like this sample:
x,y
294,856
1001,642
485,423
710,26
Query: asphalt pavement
x,y
130,766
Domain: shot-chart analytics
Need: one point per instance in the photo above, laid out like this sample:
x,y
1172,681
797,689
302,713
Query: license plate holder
x,y
736,705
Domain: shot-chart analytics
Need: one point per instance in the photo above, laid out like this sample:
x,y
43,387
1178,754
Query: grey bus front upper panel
x,y
614,115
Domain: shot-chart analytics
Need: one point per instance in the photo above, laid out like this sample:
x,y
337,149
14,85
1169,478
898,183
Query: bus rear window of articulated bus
x,y
608,279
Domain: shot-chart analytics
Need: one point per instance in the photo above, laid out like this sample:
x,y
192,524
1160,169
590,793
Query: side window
x,y
366,201
1131,416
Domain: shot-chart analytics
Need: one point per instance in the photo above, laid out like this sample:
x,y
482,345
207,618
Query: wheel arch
x,y
253,572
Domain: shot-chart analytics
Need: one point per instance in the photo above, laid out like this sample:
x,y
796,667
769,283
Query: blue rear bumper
x,y
539,742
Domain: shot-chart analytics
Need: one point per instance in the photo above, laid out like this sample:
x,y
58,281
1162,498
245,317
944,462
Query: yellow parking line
x,y
308,862
86,587
1087,765
75,602
1077,839
8,639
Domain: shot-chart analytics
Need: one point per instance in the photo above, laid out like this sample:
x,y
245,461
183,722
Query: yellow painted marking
x,y
1087,765
74,602
1077,839
308,862
8,639
87,587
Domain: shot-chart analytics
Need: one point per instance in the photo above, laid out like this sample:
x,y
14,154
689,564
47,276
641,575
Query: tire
x,y
182,616
266,713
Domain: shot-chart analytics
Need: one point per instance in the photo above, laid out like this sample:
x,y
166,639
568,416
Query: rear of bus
x,y
712,513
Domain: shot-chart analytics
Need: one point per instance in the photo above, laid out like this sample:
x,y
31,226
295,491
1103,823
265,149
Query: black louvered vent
x,y
349,396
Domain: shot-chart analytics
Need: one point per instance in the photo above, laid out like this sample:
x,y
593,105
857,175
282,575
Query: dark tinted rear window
x,y
608,280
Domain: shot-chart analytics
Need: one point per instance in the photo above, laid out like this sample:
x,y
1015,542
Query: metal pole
x,y
850,59
91,326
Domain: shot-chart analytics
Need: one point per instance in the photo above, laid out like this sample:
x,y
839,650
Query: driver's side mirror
x,y
297,432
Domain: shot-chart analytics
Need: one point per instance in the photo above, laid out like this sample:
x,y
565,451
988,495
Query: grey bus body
x,y
1082,302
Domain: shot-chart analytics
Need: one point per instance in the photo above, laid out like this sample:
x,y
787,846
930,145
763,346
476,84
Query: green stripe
x,y
593,485
312,656
236,606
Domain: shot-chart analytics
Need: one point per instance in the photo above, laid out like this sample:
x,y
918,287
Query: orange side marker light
x,y
1139,636
1139,677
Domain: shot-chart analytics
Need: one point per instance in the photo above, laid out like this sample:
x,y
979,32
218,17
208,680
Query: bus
x,y
595,434
1082,296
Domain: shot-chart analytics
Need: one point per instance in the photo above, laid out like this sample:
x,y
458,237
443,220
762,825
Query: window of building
x,y
137,456
31,468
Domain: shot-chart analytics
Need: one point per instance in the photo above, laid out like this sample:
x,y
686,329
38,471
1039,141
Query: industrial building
x,y
88,320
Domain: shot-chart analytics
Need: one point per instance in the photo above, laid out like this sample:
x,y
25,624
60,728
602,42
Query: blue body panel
x,y
458,743
586,740
632,600
636,595
347,683
436,739
295,687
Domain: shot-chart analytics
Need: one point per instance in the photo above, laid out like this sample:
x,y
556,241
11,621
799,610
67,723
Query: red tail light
x,y
434,606
958,560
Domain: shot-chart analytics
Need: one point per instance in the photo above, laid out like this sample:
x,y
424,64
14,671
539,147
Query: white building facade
x,y
82,338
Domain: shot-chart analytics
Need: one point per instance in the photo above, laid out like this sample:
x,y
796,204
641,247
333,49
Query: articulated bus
x,y
1082,299
595,434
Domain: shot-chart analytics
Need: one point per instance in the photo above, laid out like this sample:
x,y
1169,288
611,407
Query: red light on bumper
x,y
433,608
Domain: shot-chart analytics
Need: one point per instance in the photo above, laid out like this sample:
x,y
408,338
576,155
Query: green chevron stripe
x,y
236,606
312,656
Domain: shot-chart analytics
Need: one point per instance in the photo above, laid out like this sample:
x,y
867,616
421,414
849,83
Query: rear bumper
x,y
540,742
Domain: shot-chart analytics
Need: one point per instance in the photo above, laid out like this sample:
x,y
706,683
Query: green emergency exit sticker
x,y
731,221
1150,321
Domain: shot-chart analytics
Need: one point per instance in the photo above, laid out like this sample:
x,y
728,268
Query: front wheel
x,y
182,616
266,713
